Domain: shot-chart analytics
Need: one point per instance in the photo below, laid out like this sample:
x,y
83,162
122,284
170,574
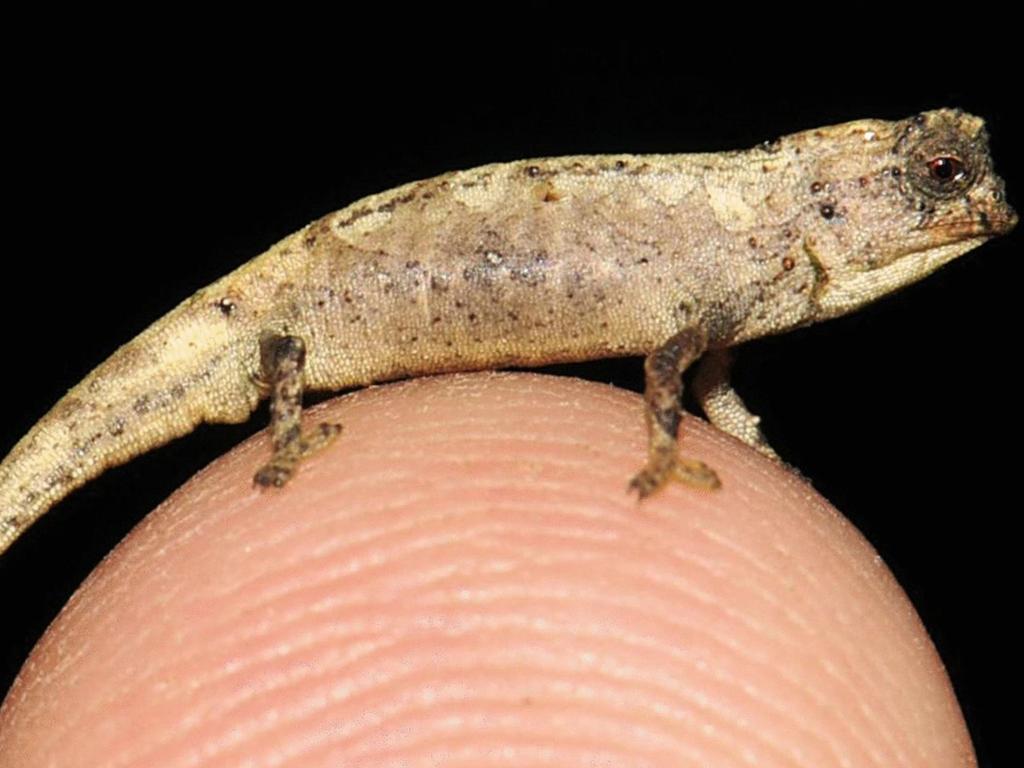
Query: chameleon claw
x,y
696,474
272,474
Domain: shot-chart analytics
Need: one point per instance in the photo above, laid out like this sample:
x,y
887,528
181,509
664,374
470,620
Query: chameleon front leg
x,y
723,406
663,370
283,360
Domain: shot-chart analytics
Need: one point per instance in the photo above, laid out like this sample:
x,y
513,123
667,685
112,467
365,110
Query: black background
x,y
144,166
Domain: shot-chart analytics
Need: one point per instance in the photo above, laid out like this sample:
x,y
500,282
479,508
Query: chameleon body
x,y
673,257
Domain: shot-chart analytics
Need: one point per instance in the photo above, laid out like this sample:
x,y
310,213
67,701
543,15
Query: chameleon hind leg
x,y
722,404
663,389
283,360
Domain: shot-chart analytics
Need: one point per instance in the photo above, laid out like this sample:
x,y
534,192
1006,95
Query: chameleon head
x,y
898,200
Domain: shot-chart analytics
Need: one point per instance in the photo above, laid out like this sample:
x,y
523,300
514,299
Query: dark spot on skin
x,y
178,391
896,173
117,428
620,164
226,306
532,171
61,477
390,205
411,264
469,274
141,404
12,522
787,233
765,168
752,242
67,407
788,263
435,320
290,435
643,260
816,187
550,196
353,217
863,181
310,240
827,211
985,223
438,283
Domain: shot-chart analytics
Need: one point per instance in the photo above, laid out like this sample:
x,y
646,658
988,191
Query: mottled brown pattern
x,y
535,262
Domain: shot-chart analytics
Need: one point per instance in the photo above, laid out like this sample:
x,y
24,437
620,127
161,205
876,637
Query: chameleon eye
x,y
946,168
943,167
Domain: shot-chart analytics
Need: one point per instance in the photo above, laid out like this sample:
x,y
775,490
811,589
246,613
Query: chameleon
x,y
674,257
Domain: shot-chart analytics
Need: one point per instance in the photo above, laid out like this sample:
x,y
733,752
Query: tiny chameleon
x,y
673,257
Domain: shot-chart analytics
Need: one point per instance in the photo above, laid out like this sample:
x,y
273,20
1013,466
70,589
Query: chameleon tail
x,y
183,370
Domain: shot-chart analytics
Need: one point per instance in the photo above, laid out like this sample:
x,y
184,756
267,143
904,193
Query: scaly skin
x,y
530,263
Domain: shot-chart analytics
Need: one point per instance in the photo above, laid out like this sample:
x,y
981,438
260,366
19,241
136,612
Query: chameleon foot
x,y
691,472
280,469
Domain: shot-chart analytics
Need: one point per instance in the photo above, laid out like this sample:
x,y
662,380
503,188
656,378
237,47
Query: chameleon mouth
x,y
982,224
1003,221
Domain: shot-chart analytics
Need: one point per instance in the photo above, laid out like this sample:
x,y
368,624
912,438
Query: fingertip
x,y
462,578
